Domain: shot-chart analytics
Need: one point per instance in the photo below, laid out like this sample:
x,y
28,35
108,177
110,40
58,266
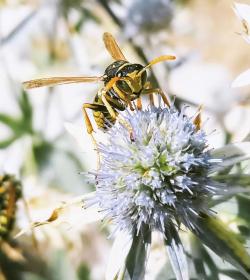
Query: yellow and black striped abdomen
x,y
103,119
101,115
10,192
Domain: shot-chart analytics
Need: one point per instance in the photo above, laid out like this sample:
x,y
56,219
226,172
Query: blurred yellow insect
x,y
10,192
124,82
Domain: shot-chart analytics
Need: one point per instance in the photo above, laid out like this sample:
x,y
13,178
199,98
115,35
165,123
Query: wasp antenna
x,y
157,60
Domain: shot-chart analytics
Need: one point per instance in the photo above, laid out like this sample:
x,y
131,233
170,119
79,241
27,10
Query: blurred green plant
x,y
21,125
85,14
41,153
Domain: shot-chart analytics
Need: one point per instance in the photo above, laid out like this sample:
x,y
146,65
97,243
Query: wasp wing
x,y
112,47
59,81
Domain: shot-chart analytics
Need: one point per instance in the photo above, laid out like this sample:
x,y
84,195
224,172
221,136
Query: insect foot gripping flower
x,y
161,181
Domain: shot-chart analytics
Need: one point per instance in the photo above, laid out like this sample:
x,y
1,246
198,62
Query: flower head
x,y
161,180
161,177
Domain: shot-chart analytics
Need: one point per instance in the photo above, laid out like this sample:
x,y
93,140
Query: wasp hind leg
x,y
89,127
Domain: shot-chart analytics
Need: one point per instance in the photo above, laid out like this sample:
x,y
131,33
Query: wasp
x,y
10,192
123,81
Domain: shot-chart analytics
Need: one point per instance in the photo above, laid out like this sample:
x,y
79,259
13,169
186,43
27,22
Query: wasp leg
x,y
151,99
157,91
151,96
131,107
115,116
138,103
111,111
90,128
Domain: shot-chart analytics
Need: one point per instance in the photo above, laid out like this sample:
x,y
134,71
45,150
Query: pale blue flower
x,y
163,180
162,177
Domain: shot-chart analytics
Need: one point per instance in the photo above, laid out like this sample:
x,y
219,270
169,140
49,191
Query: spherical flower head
x,y
160,177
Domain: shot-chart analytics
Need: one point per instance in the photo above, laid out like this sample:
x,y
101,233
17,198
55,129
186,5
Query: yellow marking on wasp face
x,y
134,81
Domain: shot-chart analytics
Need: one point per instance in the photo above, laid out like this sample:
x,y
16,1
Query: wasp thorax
x,y
112,70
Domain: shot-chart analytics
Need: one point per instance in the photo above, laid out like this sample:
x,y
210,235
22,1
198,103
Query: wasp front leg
x,y
148,89
157,91
114,115
150,94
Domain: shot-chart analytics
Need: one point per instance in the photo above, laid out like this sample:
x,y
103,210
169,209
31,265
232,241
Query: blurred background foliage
x,y
64,37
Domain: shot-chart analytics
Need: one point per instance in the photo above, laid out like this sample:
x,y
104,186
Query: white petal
x,y
118,255
242,80
176,253
242,11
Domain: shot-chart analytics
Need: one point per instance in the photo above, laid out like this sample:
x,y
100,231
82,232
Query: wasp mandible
x,y
123,81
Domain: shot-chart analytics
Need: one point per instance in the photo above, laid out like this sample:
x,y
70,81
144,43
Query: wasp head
x,y
132,81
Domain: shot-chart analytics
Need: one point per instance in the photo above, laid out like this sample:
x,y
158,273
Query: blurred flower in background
x,y
149,18
243,13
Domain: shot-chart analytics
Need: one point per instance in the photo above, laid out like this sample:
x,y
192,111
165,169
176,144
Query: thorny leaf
x,y
243,207
137,256
232,153
201,258
233,274
198,261
176,253
223,242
